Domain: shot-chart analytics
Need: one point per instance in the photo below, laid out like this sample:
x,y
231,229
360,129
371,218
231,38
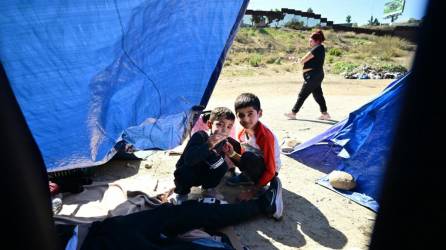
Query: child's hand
x,y
229,162
215,139
228,149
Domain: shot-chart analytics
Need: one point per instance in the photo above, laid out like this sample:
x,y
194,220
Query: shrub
x,y
390,67
339,67
290,49
255,60
273,60
334,52
263,31
278,60
295,24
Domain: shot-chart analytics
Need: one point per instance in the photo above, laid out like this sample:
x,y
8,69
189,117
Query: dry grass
x,y
278,49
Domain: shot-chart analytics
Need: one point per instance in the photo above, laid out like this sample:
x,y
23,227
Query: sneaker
x,y
212,193
325,116
273,196
239,180
290,116
212,200
177,199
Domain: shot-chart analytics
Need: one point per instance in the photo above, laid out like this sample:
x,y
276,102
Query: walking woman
x,y
313,72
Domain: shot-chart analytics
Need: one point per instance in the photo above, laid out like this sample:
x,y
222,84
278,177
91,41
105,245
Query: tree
x,y
310,10
371,20
376,22
255,19
295,24
348,19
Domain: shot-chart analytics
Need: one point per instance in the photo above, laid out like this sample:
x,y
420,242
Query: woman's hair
x,y
318,36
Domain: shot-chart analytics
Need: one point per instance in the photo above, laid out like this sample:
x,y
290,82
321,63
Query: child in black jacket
x,y
203,162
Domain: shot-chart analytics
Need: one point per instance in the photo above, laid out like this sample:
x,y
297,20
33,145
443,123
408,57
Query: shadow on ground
x,y
331,122
301,219
106,173
116,169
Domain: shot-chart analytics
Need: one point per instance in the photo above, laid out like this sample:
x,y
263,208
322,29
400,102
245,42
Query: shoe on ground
x,y
177,199
290,116
211,193
325,117
212,200
273,198
239,180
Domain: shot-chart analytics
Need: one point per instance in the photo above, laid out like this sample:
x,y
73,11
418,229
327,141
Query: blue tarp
x,y
359,145
89,73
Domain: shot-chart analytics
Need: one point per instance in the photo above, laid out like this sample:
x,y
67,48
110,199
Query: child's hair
x,y
245,100
318,36
221,113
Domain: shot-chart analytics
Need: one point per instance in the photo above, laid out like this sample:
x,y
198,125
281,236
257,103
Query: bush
x,y
393,68
274,60
263,31
290,49
295,24
255,60
339,67
334,52
243,38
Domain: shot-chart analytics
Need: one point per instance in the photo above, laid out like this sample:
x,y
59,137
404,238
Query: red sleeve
x,y
266,144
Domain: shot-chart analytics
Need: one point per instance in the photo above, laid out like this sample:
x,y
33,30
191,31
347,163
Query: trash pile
x,y
368,72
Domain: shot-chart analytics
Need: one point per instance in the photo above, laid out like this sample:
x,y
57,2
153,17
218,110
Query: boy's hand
x,y
229,162
215,139
228,149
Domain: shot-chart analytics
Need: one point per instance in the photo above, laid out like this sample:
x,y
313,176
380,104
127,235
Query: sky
x,y
337,10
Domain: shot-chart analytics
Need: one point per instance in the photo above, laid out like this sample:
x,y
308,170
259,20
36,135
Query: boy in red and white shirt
x,y
259,160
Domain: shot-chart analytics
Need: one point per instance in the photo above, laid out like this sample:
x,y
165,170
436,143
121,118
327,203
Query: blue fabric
x,y
359,145
90,73
212,243
74,241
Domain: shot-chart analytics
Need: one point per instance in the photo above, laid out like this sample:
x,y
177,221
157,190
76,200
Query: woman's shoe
x,y
325,117
290,116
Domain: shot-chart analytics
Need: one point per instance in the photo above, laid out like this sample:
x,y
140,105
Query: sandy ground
x,y
314,217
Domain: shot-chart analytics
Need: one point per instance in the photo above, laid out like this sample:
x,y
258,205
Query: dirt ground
x,y
314,217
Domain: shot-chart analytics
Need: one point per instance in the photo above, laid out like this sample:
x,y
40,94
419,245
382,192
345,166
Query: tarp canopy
x,y
359,145
91,73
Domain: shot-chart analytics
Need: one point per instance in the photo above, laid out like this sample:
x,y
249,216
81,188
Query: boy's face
x,y
248,117
222,126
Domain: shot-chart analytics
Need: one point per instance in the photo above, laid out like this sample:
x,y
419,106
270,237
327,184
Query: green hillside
x,y
271,50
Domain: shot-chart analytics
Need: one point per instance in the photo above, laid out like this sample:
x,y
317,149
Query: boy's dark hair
x,y
221,113
245,100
